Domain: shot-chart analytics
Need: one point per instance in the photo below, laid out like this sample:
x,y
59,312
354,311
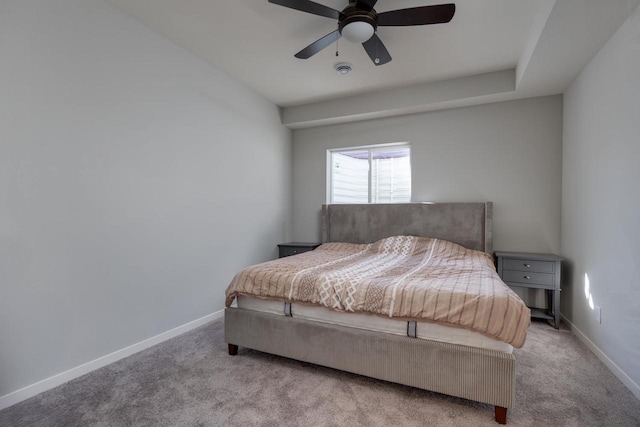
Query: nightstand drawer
x,y
293,248
526,265
528,277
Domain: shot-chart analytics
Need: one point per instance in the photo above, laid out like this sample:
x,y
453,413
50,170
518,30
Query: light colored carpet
x,y
191,381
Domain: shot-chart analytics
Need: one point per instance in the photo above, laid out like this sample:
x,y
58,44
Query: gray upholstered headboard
x,y
467,224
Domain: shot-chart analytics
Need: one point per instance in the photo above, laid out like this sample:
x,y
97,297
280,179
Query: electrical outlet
x,y
598,314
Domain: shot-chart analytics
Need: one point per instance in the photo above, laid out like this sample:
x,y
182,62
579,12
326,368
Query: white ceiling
x,y
255,41
492,50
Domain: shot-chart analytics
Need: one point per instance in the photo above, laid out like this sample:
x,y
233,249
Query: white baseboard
x,y
622,376
54,381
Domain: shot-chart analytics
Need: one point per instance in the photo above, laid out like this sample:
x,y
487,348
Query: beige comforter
x,y
402,277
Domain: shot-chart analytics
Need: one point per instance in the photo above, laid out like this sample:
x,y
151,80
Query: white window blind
x,y
371,175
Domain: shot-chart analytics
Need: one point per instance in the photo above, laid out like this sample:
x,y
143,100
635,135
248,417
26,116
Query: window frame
x,y
371,149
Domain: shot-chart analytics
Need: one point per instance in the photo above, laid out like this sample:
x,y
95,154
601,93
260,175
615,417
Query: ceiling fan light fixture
x,y
358,31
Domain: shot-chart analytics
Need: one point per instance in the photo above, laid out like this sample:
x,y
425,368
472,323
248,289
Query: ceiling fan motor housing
x,y
352,14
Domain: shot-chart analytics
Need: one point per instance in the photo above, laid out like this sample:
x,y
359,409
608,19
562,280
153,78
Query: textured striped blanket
x,y
402,277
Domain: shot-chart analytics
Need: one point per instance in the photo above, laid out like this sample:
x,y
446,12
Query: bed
x,y
400,342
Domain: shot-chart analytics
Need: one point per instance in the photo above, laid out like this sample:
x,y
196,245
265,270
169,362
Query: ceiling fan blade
x,y
309,7
366,4
423,15
376,50
318,45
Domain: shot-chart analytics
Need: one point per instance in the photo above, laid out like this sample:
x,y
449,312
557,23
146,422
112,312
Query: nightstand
x,y
537,271
292,248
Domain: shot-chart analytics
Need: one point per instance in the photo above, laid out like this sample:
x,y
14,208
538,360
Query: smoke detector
x,y
343,68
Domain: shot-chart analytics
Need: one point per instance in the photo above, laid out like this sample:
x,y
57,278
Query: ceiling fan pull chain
x,y
377,60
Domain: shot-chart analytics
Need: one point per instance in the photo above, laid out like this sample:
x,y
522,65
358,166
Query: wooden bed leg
x,y
233,351
501,415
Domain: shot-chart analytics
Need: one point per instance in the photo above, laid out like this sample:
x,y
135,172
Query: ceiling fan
x,y
358,23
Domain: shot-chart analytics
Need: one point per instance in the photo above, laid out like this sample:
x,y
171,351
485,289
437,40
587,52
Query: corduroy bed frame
x,y
481,375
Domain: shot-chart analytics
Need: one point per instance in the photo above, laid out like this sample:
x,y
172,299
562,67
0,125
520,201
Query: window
x,y
377,174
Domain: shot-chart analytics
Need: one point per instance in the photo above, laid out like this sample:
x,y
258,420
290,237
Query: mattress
x,y
424,330
402,277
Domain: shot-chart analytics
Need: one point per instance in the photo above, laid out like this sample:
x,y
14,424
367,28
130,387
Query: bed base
x,y
486,376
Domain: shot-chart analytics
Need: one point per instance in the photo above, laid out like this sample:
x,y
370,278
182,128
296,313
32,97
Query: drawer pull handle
x,y
527,277
527,265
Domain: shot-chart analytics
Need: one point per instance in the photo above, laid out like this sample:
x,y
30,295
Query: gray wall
x,y
135,181
509,153
601,198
